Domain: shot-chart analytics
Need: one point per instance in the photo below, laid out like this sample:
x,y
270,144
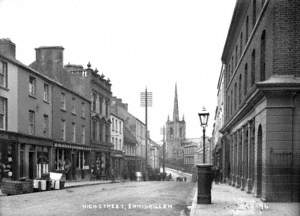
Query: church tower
x,y
175,133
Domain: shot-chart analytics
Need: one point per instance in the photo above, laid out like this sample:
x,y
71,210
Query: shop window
x,y
3,113
3,74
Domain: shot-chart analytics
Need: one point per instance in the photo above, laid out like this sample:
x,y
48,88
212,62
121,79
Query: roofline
x,y
18,63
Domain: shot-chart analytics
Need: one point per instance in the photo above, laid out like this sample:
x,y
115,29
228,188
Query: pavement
x,y
230,201
73,184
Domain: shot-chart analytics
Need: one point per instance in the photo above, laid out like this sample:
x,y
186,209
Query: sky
x,y
137,44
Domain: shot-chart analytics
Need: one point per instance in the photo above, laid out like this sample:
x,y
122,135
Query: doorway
x,y
259,161
31,165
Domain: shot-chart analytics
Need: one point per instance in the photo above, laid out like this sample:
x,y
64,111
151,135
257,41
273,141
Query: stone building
x,y
25,117
262,102
175,135
70,116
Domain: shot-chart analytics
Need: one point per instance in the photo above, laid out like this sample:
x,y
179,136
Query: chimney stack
x,y
49,61
7,48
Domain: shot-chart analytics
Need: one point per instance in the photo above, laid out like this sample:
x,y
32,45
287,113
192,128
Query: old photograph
x,y
149,107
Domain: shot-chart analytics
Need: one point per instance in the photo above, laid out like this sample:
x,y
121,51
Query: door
x,y
31,165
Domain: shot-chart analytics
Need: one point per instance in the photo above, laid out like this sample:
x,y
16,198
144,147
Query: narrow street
x,y
129,198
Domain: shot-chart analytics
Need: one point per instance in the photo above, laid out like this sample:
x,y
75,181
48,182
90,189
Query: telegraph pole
x,y
146,100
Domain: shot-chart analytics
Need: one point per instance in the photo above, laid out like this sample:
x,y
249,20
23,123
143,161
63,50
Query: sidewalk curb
x,y
194,203
92,184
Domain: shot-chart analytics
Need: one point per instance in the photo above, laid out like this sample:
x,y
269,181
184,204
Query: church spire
x,y
175,109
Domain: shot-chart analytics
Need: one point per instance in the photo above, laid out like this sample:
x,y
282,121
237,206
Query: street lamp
x,y
203,116
205,175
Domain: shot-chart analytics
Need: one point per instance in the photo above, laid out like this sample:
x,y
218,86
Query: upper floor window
x,y
73,132
241,43
253,68
236,55
46,126
83,134
32,86
253,13
263,56
240,88
63,101
46,92
31,125
235,96
94,129
120,127
83,110
3,74
3,113
100,104
63,130
247,29
73,105
94,98
113,124
246,79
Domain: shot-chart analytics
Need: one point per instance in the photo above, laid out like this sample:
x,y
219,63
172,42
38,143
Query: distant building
x,y
218,154
130,143
154,155
262,101
175,135
117,139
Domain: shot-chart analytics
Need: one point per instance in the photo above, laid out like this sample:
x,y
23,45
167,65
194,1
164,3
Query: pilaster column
x,y
249,179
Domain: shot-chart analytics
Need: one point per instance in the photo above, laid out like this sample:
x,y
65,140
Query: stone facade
x,y
262,84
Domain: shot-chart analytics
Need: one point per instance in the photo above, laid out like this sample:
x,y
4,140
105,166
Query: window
x,y
232,67
247,29
235,96
100,104
73,105
240,88
46,92
253,67
116,124
83,134
73,132
63,101
236,55
3,74
241,43
120,127
246,79
106,108
63,130
253,13
94,98
263,56
32,86
94,129
31,128
3,113
83,110
113,124
46,126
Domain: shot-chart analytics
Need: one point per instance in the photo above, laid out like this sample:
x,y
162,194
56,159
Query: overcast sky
x,y
136,43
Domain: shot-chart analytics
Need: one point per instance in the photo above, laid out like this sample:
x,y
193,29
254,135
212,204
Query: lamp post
x,y
203,116
205,175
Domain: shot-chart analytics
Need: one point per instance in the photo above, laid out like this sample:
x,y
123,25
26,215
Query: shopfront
x,y
117,163
72,160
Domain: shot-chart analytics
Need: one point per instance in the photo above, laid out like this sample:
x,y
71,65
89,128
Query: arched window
x,y
263,56
240,88
235,96
247,29
231,103
253,13
236,55
246,79
253,67
241,43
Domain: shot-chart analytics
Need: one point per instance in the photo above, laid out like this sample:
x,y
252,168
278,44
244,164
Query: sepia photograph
x,y
149,107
